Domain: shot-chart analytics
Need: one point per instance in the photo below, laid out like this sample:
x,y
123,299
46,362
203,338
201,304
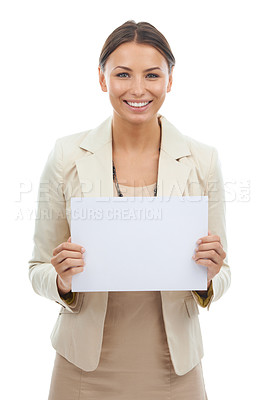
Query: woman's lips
x,y
142,108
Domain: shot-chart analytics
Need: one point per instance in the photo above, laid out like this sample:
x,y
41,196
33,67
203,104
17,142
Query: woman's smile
x,y
138,106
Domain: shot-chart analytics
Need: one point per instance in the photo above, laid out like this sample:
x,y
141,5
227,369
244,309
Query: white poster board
x,y
139,243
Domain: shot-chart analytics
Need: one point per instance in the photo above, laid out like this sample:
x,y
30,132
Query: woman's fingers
x,y
210,243
71,272
209,254
69,263
216,246
67,254
68,246
207,262
67,260
209,239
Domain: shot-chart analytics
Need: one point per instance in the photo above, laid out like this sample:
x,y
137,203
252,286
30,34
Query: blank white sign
x,y
139,243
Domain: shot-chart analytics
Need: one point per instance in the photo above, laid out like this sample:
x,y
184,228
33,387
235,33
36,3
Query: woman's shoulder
x,y
74,145
68,148
73,140
199,149
192,147
202,155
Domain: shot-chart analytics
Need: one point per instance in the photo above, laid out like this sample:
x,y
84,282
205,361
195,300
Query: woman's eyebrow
x,y
129,69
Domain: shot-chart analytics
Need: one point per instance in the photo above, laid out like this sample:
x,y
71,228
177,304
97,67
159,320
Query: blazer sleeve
x,y
51,229
217,225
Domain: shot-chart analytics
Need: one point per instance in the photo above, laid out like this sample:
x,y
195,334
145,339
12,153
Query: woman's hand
x,y
210,253
67,260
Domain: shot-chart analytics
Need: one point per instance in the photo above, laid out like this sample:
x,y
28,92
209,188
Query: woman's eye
x,y
152,75
121,73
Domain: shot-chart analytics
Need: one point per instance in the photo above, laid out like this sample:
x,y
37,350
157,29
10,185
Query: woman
x,y
128,345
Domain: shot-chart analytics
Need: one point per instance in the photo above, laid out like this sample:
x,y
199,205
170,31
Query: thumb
x,y
209,233
69,239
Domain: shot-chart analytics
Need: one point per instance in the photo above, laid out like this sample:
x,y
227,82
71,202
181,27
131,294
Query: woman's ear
x,y
170,81
102,80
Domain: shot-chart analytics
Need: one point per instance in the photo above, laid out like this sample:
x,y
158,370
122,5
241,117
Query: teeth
x,y
137,104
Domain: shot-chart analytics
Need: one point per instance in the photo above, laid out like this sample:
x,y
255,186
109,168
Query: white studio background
x,y
49,88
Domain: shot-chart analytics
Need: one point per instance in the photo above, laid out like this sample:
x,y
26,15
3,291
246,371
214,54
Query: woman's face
x,y
137,79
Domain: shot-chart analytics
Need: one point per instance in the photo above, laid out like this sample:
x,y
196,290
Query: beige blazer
x,y
81,165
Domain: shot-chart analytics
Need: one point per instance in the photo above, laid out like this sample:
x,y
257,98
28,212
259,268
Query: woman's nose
x,y
137,87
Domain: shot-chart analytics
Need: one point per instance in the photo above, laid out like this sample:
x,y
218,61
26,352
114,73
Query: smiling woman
x,y
141,344
136,90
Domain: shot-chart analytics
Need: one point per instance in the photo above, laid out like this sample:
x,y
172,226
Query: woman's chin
x,y
136,118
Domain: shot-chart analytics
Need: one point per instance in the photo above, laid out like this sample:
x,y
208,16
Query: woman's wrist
x,y
62,290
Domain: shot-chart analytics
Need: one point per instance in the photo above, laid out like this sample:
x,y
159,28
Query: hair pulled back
x,y
141,33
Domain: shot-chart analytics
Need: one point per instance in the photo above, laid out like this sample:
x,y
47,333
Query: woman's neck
x,y
139,139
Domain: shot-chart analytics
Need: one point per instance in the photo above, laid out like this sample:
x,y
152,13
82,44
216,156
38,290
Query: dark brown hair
x,y
142,33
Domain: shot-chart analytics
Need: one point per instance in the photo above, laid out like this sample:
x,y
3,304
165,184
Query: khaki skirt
x,y
135,361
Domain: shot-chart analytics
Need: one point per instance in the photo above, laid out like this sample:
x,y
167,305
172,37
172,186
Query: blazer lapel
x,y
95,169
173,169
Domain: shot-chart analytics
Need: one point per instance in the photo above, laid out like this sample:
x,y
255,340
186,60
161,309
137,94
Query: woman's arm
x,y
216,261
51,229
